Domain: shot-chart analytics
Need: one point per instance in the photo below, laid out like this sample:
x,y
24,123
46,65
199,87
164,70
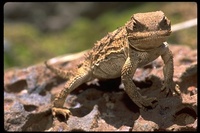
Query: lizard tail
x,y
61,73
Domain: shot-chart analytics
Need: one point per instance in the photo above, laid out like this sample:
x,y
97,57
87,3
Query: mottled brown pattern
x,y
140,41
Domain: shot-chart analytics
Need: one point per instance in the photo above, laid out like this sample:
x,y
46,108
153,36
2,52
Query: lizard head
x,y
147,31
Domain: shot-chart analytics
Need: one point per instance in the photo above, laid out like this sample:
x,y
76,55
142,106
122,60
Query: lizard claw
x,y
173,88
144,102
63,111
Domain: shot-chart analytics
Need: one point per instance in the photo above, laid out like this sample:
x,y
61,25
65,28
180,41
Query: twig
x,y
66,57
184,25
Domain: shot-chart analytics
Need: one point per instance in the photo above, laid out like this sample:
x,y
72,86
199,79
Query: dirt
x,y
102,105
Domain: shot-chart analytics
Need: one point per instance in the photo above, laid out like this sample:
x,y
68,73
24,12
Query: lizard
x,y
140,41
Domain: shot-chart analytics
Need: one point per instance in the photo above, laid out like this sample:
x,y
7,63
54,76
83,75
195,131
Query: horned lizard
x,y
140,41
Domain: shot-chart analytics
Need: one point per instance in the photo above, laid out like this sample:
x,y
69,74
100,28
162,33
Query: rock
x,y
144,125
102,105
26,112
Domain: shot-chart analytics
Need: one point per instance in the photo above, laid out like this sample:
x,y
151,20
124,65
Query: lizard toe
x,y
144,103
63,111
171,88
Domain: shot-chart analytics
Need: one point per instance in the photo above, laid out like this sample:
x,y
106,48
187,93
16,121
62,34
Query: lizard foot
x,y
171,87
145,102
63,111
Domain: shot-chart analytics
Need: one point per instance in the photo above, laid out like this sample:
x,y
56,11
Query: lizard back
x,y
109,54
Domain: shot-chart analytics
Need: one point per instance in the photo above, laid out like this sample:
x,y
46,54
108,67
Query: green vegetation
x,y
30,46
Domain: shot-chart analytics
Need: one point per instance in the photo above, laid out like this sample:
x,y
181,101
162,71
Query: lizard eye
x,y
164,20
165,23
135,26
130,26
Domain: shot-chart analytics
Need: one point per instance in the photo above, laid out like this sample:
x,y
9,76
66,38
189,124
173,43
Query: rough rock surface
x,y
102,105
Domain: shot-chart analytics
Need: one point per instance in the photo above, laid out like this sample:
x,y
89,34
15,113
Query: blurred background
x,y
35,32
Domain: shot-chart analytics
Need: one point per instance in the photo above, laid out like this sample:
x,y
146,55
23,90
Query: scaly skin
x,y
120,53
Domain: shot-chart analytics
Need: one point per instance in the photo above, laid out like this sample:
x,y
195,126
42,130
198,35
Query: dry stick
x,y
70,57
66,57
184,25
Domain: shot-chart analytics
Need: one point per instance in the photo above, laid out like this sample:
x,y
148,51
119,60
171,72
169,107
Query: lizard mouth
x,y
149,34
147,40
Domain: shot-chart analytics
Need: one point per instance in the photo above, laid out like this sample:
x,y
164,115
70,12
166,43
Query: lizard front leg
x,y
80,76
69,86
128,70
168,71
